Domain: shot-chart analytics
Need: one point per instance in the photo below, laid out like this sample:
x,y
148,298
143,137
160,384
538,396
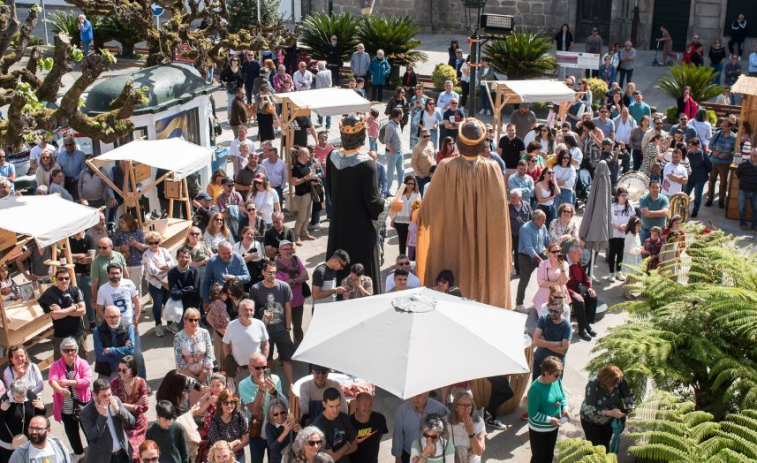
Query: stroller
x,y
657,61
583,184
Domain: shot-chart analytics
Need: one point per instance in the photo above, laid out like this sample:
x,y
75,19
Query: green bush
x,y
442,73
699,78
712,118
318,27
598,88
68,23
671,114
522,56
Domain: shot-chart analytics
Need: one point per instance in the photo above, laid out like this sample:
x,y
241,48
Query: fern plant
x,y
317,29
522,56
699,78
696,338
575,450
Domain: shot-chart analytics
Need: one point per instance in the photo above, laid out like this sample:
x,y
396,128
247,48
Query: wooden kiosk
x,y
180,158
324,102
528,91
23,320
746,86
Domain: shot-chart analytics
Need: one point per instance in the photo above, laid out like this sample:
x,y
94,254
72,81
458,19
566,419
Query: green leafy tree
x,y
696,338
522,56
318,27
699,78
243,14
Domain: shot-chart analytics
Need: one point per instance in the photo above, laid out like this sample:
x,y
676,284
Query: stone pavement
x,y
511,444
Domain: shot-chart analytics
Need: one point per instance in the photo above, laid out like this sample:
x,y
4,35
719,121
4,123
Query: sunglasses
x,y
554,311
69,351
251,210
193,320
314,443
270,273
218,220
102,247
402,264
63,278
554,252
153,243
226,403
430,436
151,460
123,370
194,234
320,372
257,368
278,414
426,136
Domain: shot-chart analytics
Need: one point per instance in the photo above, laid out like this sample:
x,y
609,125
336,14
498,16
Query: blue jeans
x,y
258,448
565,196
85,47
718,68
422,182
743,197
373,144
549,211
85,284
644,234
328,121
159,297
485,104
394,162
624,75
698,189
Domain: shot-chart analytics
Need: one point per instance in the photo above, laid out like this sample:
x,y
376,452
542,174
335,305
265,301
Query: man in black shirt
x,y
510,149
278,232
340,435
65,304
81,245
369,427
302,125
334,59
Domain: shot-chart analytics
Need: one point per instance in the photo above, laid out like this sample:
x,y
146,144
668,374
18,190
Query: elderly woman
x,y
308,443
198,250
157,262
17,407
552,272
434,445
230,424
564,224
20,367
220,452
130,241
193,348
132,391
279,431
216,232
46,165
547,410
149,452
608,398
467,429
71,380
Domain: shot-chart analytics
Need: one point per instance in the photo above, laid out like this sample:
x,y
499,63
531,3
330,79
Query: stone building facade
x,y
614,18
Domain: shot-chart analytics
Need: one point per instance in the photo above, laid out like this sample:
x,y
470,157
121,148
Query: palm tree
x,y
696,337
396,36
699,78
318,27
522,56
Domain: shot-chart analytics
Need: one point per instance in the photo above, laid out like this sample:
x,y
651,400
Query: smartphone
x,y
563,420
267,373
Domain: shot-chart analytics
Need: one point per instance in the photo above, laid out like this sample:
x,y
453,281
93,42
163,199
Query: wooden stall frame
x,y
746,86
289,111
506,96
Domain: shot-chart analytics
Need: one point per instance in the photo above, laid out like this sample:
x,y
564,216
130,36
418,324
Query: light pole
x,y
473,10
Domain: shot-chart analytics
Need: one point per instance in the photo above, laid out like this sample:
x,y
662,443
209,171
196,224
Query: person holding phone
x,y
547,410
608,398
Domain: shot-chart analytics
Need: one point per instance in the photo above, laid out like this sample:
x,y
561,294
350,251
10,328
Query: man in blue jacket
x,y
379,70
86,33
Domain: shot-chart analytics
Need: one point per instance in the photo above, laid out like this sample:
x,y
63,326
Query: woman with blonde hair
x,y
198,251
47,164
216,232
157,262
608,397
466,428
551,273
193,349
221,451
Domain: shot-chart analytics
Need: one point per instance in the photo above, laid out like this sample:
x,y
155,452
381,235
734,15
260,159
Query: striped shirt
x,y
545,401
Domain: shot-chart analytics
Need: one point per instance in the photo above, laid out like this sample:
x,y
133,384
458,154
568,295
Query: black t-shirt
x,y
338,432
273,238
301,126
368,437
67,326
323,274
511,150
300,171
273,299
81,247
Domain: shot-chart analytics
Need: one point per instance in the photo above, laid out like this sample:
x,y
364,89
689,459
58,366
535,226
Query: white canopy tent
x,y
48,219
324,102
179,157
528,91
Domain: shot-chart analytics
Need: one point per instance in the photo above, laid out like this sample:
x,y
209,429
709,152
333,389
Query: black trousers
x,y
297,324
72,432
377,92
465,87
638,157
615,254
527,267
402,231
501,393
597,434
542,445
739,42
585,311
515,253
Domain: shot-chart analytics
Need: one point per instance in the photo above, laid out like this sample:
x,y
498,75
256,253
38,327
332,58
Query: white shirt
x,y
623,130
620,217
34,156
670,188
576,155
412,282
460,437
265,201
245,340
234,150
302,81
120,296
47,452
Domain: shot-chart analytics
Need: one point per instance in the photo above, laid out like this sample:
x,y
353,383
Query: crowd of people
x,y
240,289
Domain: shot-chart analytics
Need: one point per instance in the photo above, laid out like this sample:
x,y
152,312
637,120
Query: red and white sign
x,y
579,60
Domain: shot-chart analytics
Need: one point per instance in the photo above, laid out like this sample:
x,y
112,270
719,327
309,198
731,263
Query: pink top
x,y
321,154
546,272
285,276
373,127
83,376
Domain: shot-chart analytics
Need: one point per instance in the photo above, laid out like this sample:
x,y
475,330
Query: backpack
x,y
382,133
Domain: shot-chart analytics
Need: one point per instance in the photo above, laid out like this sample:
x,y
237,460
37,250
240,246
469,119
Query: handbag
x,y
173,310
191,433
306,291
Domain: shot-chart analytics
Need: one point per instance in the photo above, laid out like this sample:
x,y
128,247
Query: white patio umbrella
x,y
414,341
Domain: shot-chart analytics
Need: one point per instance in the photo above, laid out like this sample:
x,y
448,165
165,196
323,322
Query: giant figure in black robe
x,y
355,201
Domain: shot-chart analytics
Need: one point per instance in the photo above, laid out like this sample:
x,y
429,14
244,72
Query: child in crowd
x,y
652,247
373,129
360,86
218,317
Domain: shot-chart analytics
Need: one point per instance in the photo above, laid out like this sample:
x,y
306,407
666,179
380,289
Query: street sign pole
x,y
157,10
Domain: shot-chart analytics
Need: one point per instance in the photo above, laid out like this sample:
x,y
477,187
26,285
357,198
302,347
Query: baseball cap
x,y
606,142
284,243
259,177
227,180
202,196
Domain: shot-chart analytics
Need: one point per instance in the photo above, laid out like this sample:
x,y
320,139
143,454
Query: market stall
x,y
180,158
324,102
21,224
529,91
747,86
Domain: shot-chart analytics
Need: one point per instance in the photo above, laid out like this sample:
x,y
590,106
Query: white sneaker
x,y
173,328
488,112
611,277
316,227
160,331
483,111
620,277
520,308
